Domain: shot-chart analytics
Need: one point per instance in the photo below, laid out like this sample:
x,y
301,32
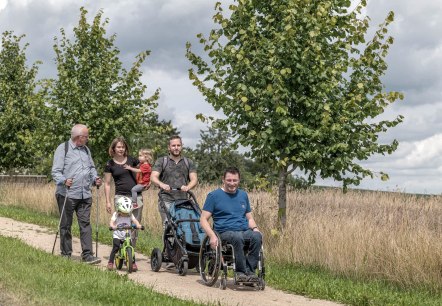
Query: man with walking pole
x,y
74,173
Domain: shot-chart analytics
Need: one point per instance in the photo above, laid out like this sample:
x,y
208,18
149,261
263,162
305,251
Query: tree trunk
x,y
282,196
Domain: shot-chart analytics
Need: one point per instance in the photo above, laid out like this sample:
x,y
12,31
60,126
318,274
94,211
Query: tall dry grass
x,y
391,236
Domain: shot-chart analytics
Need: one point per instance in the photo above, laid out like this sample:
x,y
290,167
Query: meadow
x,y
365,236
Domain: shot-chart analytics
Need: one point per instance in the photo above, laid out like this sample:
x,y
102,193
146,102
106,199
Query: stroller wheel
x,y
182,268
156,259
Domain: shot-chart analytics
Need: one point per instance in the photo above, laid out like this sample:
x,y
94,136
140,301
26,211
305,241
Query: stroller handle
x,y
125,228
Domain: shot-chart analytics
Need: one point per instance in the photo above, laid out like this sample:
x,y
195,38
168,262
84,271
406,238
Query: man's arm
x,y
58,166
252,223
204,221
155,178
192,183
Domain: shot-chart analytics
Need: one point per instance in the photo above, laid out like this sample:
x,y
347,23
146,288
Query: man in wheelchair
x,y
232,219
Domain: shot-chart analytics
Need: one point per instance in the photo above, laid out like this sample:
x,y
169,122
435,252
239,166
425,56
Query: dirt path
x,y
165,281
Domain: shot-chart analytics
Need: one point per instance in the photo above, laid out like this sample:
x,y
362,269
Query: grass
x,y
308,280
317,282
35,277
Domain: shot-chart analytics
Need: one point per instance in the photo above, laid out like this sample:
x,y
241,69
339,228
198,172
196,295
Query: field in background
x,y
367,235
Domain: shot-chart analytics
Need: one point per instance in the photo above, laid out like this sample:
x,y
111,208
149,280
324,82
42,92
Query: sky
x,y
164,27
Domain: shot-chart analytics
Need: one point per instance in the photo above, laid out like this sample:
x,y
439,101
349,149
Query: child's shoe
x,y
134,267
110,266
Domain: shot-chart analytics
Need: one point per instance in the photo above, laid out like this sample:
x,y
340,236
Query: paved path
x,y
165,281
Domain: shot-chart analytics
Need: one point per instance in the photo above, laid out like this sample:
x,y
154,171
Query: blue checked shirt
x,y
79,166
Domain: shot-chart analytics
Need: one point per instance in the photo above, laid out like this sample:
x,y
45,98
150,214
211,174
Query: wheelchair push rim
x,y
209,261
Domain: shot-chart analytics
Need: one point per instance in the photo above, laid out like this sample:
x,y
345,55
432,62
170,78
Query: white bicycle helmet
x,y
124,205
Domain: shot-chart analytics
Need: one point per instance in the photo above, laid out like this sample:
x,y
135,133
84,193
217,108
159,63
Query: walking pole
x,y
96,231
61,216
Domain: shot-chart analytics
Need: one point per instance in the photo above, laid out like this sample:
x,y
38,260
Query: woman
x,y
124,179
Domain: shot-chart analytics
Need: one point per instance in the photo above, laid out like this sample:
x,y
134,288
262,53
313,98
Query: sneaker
x,y
241,277
134,267
66,256
91,260
252,277
110,266
170,265
135,205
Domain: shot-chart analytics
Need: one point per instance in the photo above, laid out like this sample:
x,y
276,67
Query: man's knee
x,y
234,238
256,237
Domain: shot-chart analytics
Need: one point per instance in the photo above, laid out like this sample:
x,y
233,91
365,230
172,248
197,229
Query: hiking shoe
x,y
241,277
110,266
91,260
134,267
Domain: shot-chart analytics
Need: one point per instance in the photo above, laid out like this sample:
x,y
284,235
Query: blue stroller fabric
x,y
186,214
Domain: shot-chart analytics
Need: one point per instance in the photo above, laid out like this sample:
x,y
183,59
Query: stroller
x,y
182,236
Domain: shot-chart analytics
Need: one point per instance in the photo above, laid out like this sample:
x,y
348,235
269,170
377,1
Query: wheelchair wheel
x,y
261,266
261,270
156,259
261,284
223,284
129,260
182,268
209,261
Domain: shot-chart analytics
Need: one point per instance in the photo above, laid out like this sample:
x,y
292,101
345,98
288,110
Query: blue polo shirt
x,y
228,210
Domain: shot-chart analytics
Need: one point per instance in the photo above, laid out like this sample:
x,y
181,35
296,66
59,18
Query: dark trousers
x,y
244,264
82,208
116,243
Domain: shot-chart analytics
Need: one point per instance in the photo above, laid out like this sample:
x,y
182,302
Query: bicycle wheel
x,y
118,261
129,260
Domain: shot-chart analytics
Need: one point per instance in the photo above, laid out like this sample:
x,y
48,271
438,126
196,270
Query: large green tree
x,y
214,154
21,106
300,85
94,89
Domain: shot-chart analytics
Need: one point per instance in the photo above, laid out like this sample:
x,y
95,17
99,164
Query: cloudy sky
x,y
164,26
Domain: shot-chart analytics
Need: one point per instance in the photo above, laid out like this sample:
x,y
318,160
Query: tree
x,y
21,106
214,154
299,85
155,136
92,88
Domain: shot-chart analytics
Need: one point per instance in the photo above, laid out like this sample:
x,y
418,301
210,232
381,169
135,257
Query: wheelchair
x,y
212,262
